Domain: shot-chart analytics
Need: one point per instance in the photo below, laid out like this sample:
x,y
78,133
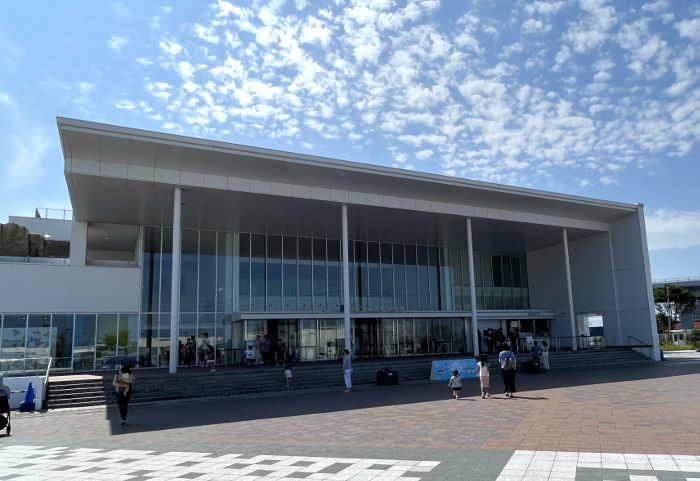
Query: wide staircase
x,y
199,382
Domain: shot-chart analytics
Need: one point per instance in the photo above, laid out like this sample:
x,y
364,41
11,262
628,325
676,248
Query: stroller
x,y
5,409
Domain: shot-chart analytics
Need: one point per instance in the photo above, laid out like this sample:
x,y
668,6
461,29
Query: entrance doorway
x,y
366,337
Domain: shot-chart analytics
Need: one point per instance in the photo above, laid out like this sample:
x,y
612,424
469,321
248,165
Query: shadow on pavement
x,y
203,411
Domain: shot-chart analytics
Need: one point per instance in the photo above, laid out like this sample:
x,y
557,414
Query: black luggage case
x,y
387,377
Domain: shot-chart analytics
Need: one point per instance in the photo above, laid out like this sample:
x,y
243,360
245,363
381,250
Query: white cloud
x,y
532,25
116,43
172,48
424,154
656,7
673,229
689,28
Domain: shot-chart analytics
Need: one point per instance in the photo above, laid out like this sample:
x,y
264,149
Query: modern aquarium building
x,y
172,236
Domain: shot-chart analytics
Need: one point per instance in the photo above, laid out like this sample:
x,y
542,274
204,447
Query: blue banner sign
x,y
442,370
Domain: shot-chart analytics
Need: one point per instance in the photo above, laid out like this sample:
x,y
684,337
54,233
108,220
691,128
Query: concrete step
x,y
197,383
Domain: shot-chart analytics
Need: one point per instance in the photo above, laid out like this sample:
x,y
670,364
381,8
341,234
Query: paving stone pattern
x,y
21,462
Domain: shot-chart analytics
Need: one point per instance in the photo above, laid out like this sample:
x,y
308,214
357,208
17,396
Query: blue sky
x,y
590,97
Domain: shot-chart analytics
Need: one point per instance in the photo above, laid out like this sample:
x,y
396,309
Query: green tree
x,y
671,300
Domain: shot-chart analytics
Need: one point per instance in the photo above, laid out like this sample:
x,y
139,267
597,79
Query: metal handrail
x,y
46,381
24,360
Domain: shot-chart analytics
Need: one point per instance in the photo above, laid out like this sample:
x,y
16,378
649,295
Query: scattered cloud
x,y
117,43
673,229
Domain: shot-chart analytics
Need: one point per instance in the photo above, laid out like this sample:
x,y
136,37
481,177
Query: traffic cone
x,y
29,398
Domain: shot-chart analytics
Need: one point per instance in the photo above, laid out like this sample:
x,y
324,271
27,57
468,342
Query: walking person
x,y
122,386
347,370
266,350
483,371
536,351
508,364
545,356
455,383
257,345
288,376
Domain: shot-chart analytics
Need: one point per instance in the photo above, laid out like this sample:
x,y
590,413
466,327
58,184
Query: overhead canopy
x,y
126,176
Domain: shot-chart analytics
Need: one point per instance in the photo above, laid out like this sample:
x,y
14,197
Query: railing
x,y
35,260
675,279
48,213
18,366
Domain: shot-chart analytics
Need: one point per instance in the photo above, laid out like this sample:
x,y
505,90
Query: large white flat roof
x,y
126,175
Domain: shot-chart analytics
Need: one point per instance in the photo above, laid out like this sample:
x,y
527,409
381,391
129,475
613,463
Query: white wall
x,y
78,243
633,277
592,282
45,288
546,279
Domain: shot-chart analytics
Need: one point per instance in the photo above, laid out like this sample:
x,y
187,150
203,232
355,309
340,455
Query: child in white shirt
x,y
455,383
288,375
482,370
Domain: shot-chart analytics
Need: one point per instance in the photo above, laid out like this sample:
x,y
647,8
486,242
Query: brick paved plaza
x,y
644,420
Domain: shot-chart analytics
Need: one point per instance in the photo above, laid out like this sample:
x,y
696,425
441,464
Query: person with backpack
x,y
508,364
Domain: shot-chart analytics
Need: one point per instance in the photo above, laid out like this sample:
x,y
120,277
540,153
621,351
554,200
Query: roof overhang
x,y
127,176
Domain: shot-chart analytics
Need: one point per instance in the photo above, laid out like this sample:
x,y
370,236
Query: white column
x,y
346,279
572,315
614,283
175,288
472,288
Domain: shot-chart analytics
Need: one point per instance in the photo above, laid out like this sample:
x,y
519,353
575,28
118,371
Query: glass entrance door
x,y
366,336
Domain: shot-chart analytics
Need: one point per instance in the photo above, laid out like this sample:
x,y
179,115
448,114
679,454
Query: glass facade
x,y
303,274
251,274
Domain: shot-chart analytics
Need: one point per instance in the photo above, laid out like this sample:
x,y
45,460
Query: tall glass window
x,y
187,328
62,340
274,273
244,273
361,275
207,271
289,273
423,284
150,283
164,340
166,270
458,285
411,278
84,343
305,276
189,270
399,278
106,345
387,273
258,250
127,340
39,337
334,276
14,336
374,276
319,275
434,279
226,263
148,340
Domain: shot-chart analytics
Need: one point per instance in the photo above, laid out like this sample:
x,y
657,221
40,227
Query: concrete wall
x,y
592,282
78,243
43,288
633,278
546,279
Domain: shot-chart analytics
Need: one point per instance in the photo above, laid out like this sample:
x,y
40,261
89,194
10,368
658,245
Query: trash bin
x,y
387,377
